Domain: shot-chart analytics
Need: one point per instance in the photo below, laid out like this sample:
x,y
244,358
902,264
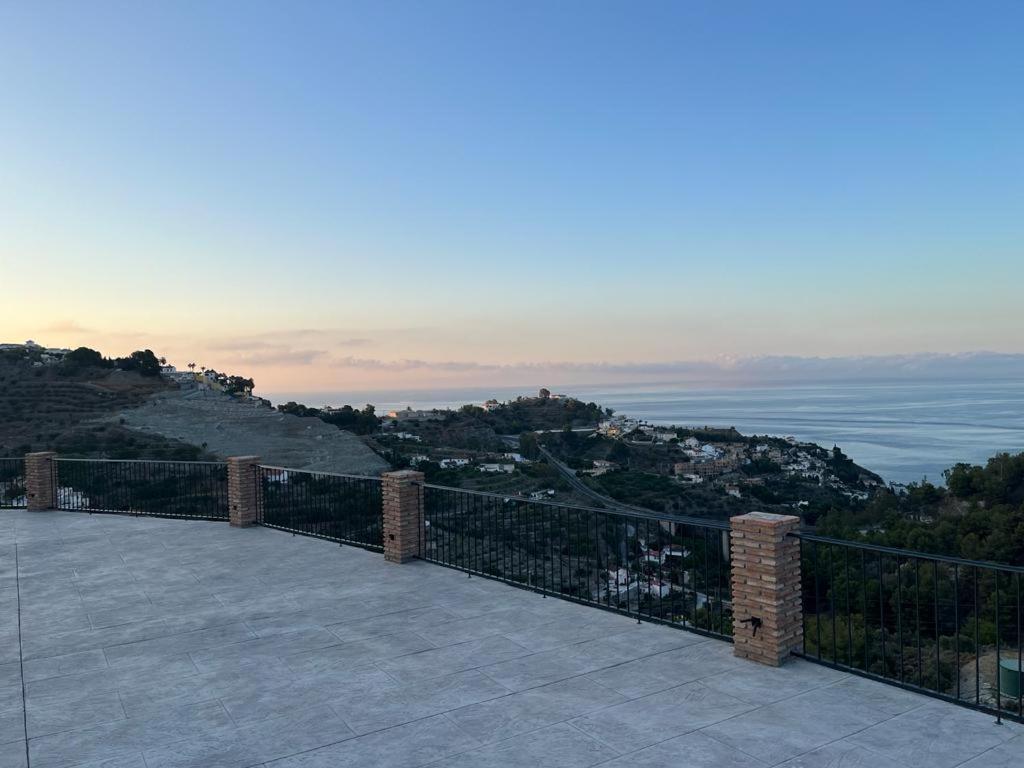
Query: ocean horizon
x,y
905,431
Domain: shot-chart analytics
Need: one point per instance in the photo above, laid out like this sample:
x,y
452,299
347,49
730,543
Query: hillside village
x,y
545,447
702,471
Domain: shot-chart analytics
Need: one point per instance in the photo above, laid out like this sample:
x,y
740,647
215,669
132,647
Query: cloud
x,y
276,356
67,326
283,341
764,369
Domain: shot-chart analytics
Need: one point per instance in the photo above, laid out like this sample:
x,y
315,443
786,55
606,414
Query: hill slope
x,y
227,426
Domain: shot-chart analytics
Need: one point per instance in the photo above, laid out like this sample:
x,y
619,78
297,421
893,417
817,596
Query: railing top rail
x,y
318,472
668,518
140,461
908,553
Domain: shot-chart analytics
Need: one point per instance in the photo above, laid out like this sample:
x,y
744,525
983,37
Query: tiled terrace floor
x,y
148,643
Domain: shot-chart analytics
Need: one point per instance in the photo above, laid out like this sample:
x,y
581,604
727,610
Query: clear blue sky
x,y
343,186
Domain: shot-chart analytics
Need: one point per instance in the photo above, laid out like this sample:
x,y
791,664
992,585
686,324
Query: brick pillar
x,y
242,497
403,515
41,480
767,616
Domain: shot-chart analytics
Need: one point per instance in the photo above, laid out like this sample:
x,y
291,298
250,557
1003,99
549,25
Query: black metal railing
x,y
342,508
944,626
184,489
12,483
667,569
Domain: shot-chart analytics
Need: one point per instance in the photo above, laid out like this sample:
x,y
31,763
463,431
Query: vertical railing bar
x,y
999,692
849,608
956,623
864,588
935,606
916,617
977,642
881,606
832,603
899,614
817,601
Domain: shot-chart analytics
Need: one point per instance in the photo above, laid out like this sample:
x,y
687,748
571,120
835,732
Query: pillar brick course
x,y
766,587
41,480
403,515
242,494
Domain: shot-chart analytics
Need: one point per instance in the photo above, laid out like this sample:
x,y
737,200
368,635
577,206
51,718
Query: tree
x,y
529,445
143,361
619,453
83,357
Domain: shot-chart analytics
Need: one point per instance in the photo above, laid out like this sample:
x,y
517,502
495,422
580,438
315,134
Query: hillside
x,y
96,409
224,425
67,410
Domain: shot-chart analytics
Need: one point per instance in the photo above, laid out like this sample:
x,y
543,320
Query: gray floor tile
x,y
52,715
54,666
531,710
13,755
639,723
558,746
661,671
12,726
840,754
691,750
127,737
405,746
439,662
780,731
935,736
582,658
404,702
1009,754
760,684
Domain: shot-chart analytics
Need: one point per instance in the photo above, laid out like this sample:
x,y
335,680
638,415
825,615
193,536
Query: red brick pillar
x,y
41,480
767,617
403,515
242,495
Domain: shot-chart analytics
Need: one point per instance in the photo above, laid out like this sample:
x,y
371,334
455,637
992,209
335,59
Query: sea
x,y
904,431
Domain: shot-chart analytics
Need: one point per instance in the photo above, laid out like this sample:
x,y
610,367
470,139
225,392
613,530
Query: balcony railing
x,y
12,483
342,508
944,626
185,489
672,570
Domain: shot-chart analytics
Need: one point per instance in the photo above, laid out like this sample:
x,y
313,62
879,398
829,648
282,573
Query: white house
x,y
497,468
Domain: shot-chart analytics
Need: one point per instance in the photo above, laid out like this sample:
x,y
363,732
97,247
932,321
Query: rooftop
x,y
136,642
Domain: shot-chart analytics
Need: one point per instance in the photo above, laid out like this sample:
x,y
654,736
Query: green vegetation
x,y
68,406
531,414
978,515
82,359
362,422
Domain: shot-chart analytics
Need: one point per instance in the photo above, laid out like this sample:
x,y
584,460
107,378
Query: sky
x,y
350,195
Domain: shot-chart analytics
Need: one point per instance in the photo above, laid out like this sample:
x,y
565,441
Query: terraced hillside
x,y
49,408
226,426
103,413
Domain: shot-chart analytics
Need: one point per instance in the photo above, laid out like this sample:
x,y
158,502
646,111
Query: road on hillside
x,y
580,486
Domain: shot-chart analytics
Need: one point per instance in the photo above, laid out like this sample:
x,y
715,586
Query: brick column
x,y
242,497
41,480
403,515
767,617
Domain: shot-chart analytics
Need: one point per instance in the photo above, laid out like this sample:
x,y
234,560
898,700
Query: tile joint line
x,y
21,657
